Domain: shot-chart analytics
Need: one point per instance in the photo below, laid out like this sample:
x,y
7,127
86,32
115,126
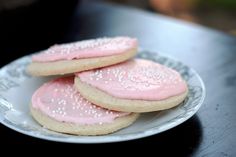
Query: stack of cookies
x,y
101,88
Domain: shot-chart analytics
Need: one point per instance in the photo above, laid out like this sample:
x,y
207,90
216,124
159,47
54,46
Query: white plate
x,y
16,88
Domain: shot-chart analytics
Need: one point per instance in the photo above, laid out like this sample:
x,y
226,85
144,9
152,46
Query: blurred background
x,y
218,14
27,26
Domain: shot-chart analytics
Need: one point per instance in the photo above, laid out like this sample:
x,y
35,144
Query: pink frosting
x,y
136,79
87,49
60,100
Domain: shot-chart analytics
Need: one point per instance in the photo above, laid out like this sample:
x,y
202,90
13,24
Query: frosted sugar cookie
x,y
58,106
133,86
82,55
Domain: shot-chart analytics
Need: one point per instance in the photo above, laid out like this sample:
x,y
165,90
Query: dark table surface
x,y
211,132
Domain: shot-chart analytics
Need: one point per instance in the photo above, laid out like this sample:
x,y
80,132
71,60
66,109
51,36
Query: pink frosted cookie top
x,y
136,79
87,49
60,100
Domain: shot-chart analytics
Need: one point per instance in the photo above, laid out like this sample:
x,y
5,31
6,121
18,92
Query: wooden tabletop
x,y
212,131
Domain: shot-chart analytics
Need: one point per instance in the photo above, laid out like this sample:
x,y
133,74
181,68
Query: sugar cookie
x,y
58,106
82,55
134,86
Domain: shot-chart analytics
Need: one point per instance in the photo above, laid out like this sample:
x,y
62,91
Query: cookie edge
x,y
80,129
105,100
77,65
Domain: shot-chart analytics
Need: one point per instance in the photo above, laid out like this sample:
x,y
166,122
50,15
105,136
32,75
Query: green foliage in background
x,y
222,4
